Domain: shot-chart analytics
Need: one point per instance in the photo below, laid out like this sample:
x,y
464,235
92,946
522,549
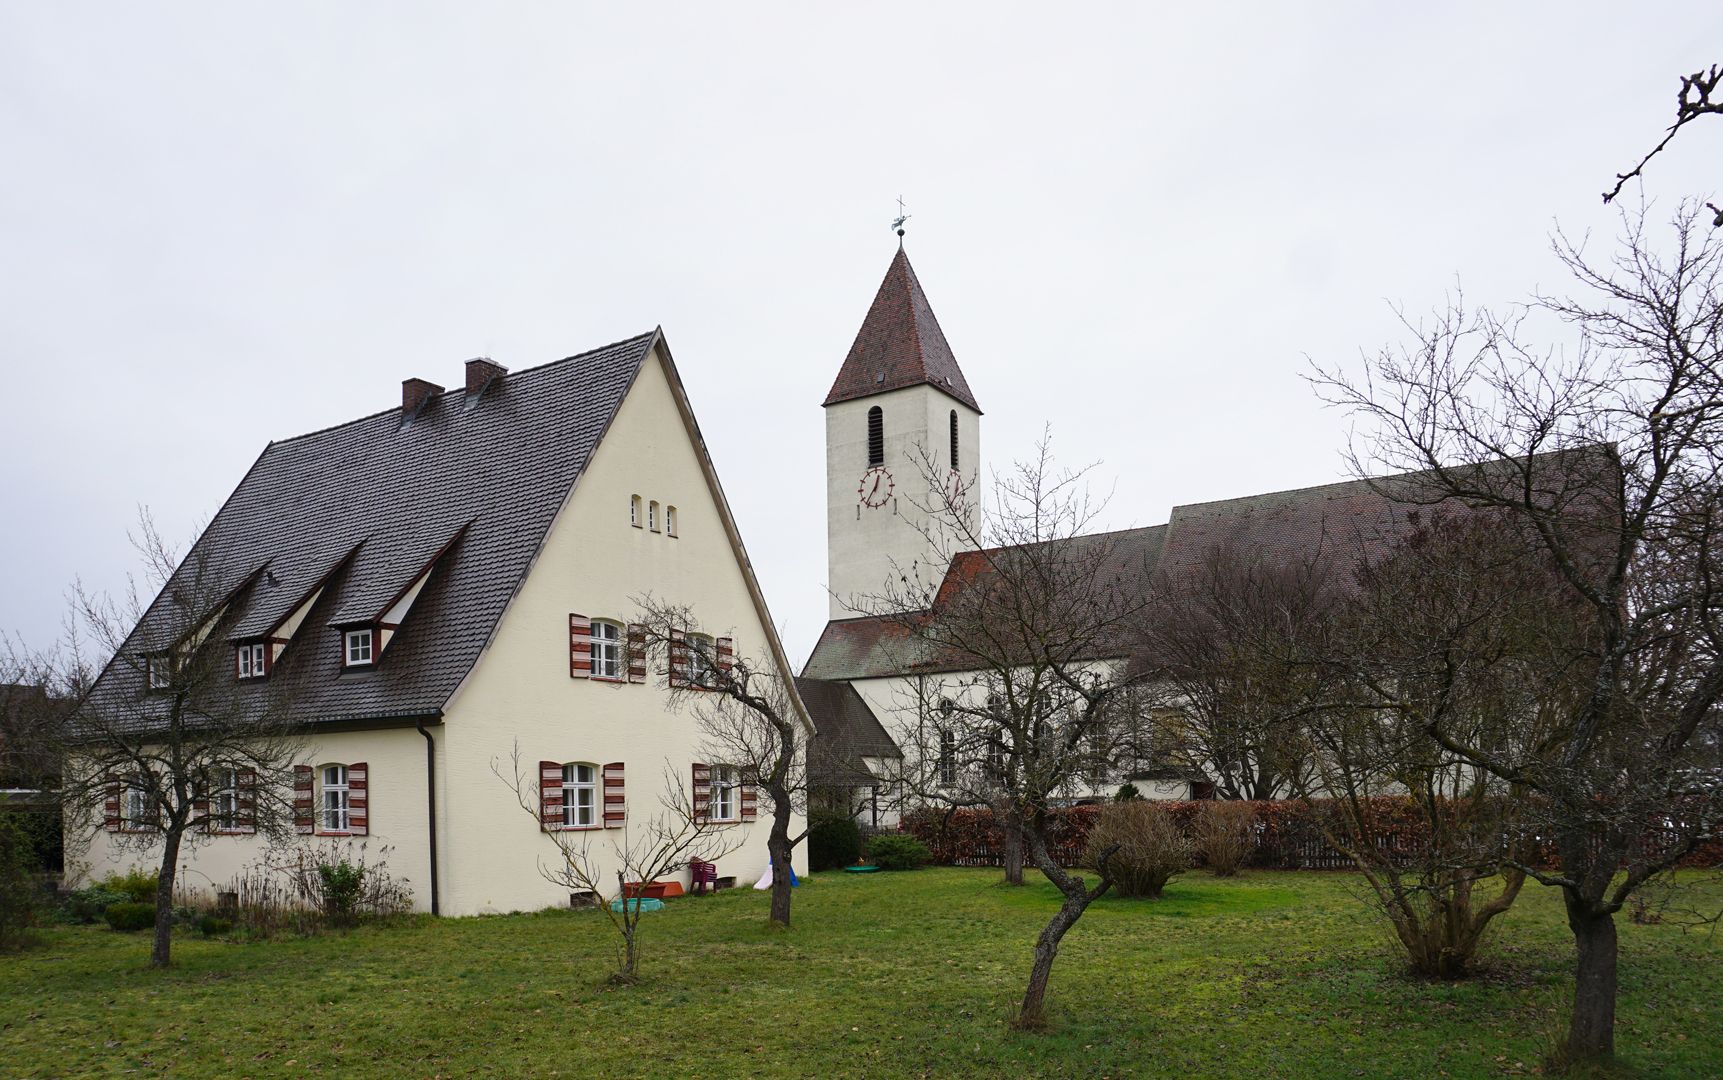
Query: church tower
x,y
899,401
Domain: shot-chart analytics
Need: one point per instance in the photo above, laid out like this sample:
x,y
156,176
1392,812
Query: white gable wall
x,y
594,563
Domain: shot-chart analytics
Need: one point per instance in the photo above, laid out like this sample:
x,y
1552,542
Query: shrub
x,y
1225,835
86,905
20,895
1127,791
898,851
137,885
834,841
214,926
1151,848
128,916
341,885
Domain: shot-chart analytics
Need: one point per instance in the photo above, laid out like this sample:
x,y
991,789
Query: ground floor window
x,y
579,795
726,793
337,805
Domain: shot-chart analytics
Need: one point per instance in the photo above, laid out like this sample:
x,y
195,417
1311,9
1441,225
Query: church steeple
x,y
900,344
902,429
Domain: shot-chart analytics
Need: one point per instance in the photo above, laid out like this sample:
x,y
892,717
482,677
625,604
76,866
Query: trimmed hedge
x,y
1287,833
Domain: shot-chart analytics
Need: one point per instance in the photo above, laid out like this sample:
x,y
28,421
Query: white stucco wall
x,y
396,760
595,563
864,544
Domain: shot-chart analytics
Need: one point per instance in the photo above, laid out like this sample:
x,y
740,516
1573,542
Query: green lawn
x,y
1268,975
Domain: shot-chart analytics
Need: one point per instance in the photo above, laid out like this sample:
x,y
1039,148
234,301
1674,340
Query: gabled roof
x,y
900,344
848,732
881,646
398,494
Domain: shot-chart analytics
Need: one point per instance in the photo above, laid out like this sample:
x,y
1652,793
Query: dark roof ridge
x,y
461,390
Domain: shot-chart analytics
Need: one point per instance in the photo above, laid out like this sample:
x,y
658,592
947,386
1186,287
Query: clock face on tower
x,y
875,487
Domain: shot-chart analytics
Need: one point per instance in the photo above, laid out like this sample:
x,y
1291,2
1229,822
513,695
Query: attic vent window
x,y
875,437
880,378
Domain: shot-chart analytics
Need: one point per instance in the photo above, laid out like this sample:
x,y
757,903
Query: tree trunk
x,y
161,950
1013,854
1591,1033
778,847
1033,1012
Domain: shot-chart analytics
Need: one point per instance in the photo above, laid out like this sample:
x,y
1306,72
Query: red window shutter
x,y
726,653
247,821
550,795
304,811
636,653
749,799
111,820
200,815
579,647
678,657
358,799
615,797
702,794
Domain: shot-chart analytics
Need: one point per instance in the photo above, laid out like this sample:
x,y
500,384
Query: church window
x,y
669,521
954,440
634,511
875,437
652,515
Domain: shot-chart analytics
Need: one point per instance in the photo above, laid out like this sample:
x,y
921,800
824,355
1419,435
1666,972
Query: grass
x,y
1265,975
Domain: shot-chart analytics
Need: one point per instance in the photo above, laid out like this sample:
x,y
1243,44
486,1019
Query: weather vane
x,y
901,218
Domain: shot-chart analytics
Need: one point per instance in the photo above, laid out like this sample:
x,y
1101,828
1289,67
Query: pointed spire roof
x,y
900,344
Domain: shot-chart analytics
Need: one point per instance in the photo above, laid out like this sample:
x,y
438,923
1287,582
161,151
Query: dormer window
x,y
160,671
251,660
357,648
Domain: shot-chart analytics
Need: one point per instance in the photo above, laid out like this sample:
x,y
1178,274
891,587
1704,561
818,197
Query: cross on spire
x,y
897,223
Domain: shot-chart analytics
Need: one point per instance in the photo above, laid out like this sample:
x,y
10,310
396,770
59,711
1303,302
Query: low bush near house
x,y
898,851
137,885
214,926
1148,847
86,905
129,916
1225,835
834,840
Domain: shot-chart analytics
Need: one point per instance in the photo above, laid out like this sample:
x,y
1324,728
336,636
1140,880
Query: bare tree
x,y
1020,661
647,848
1465,628
1603,458
166,747
750,720
1224,644
1692,101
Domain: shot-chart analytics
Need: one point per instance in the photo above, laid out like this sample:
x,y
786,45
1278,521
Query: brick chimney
x,y
415,395
480,372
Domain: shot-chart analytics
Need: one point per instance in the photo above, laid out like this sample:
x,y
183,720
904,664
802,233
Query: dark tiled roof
x,y
883,646
847,732
392,496
900,344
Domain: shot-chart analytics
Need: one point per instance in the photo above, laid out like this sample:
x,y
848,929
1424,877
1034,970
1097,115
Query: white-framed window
x,y
726,793
652,515
634,511
702,661
580,795
136,807
669,521
160,670
334,799
224,802
607,653
251,660
358,647
947,758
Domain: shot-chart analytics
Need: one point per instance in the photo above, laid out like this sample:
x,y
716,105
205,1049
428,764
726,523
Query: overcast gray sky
x,y
226,223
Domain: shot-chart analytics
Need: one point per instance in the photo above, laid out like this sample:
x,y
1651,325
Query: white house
x,y
435,585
